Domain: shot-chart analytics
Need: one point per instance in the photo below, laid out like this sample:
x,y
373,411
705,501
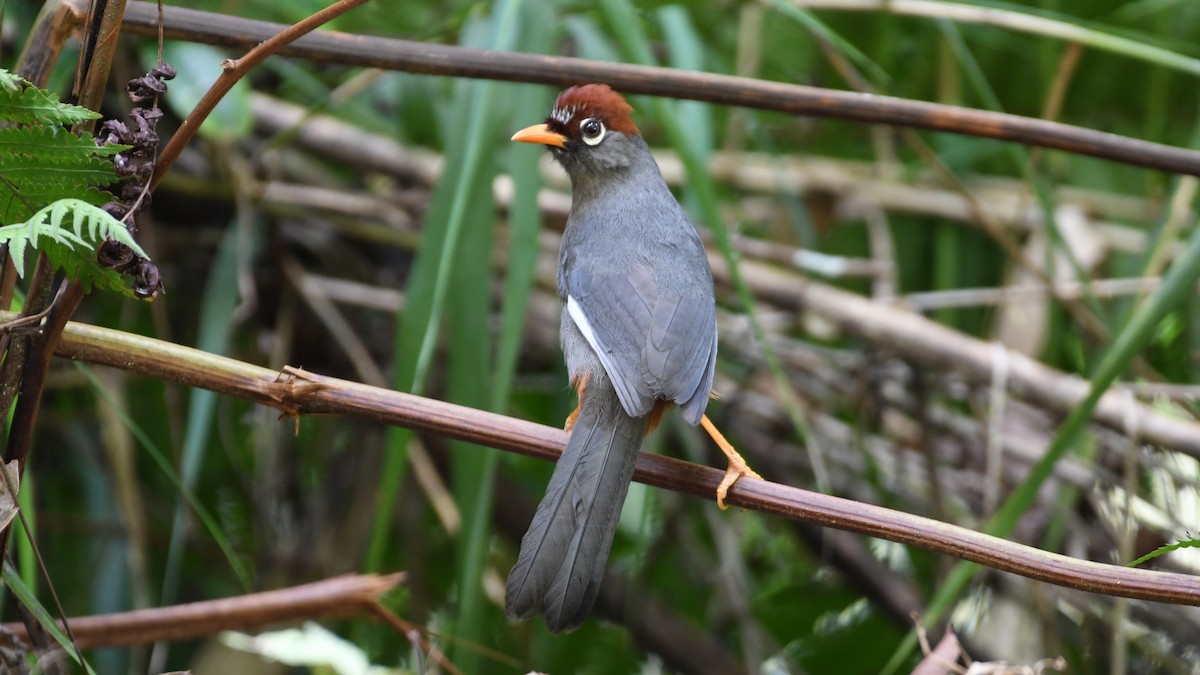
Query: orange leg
x,y
737,465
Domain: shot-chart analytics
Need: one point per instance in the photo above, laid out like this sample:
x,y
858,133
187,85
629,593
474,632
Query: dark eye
x,y
592,130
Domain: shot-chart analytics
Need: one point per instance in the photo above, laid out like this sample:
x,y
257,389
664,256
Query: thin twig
x,y
410,631
232,71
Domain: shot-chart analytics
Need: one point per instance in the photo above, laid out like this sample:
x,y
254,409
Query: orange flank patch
x,y
656,414
580,385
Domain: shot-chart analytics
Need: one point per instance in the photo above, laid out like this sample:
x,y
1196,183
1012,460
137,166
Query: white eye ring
x,y
591,136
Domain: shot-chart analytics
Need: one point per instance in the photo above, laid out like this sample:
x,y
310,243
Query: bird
x,y
638,333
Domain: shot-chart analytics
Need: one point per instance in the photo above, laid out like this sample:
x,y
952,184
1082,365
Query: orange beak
x,y
538,133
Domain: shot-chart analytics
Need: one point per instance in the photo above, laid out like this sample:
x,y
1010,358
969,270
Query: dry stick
x,y
299,393
53,26
435,59
925,301
103,47
932,344
338,596
234,70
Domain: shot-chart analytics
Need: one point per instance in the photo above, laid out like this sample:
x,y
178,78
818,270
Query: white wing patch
x,y
631,401
585,326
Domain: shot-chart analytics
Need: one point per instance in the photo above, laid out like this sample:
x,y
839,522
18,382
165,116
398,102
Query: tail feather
x,y
564,552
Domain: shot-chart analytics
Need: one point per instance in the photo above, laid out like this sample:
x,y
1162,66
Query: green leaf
x,y
23,103
69,248
52,142
1163,550
39,165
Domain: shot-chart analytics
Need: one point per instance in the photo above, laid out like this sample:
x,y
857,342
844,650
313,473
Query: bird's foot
x,y
737,464
737,468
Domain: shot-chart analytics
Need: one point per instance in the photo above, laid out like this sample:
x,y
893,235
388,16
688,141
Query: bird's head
x,y
589,129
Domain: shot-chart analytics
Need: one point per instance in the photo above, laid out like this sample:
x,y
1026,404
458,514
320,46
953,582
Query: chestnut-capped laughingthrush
x,y
639,334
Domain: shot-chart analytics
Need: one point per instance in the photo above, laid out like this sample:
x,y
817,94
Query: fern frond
x,y
24,103
8,81
29,182
1190,542
52,141
51,222
84,171
40,160
41,194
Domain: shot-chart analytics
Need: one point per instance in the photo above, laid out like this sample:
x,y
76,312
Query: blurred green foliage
x,y
342,496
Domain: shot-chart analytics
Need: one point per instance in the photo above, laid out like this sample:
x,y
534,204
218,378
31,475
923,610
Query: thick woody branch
x,y
435,59
299,393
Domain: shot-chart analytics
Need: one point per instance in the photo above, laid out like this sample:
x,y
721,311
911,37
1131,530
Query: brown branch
x,y
234,70
299,393
37,364
434,59
54,24
98,58
338,596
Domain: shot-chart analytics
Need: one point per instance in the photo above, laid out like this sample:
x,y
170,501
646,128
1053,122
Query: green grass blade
x,y
221,296
177,481
26,558
1022,162
1047,24
27,598
1165,549
462,199
817,27
474,467
524,224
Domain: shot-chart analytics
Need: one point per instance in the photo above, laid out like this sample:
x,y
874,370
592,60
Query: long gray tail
x,y
564,552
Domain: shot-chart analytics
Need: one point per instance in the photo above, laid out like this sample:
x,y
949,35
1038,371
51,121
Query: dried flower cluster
x,y
136,166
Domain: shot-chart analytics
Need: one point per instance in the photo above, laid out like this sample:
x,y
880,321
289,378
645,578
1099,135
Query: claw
x,y
737,468
737,464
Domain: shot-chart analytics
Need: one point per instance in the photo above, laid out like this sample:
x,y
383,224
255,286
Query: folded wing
x,y
655,345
